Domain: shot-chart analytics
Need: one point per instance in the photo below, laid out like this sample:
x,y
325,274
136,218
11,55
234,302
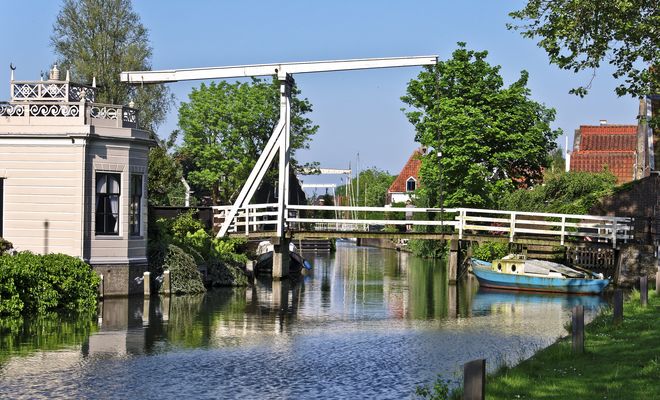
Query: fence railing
x,y
460,221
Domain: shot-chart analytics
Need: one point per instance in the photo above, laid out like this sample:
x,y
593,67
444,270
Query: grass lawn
x,y
619,362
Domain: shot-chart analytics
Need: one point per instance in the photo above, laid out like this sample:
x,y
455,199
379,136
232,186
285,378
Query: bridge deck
x,y
525,240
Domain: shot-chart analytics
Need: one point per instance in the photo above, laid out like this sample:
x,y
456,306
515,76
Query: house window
x,y
135,206
107,204
411,184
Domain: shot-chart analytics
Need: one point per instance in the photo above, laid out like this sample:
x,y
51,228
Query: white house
x,y
73,178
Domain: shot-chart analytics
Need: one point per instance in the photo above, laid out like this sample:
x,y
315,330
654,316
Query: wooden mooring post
x,y
644,291
617,315
147,284
578,329
474,380
453,262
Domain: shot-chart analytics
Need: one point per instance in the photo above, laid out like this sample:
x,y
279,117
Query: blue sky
x,y
358,112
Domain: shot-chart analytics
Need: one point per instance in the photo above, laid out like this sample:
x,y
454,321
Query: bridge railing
x,y
253,218
563,227
355,218
463,222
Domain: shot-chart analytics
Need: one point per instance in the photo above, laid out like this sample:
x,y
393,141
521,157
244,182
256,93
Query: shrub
x,y
37,284
184,275
489,251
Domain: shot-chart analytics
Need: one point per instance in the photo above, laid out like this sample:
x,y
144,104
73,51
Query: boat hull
x,y
498,280
264,264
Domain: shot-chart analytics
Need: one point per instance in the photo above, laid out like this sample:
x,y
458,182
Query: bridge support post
x,y
281,259
453,261
281,295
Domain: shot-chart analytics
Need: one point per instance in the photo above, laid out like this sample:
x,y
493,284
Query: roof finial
x,y
12,68
54,73
94,81
67,75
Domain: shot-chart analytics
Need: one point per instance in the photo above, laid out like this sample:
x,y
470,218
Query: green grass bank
x,y
619,362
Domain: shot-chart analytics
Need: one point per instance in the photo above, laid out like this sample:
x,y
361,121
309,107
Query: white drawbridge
x,y
279,142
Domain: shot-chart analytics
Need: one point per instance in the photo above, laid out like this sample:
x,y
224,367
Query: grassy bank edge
x,y
619,361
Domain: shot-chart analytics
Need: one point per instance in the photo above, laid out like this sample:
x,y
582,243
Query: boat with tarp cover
x,y
516,272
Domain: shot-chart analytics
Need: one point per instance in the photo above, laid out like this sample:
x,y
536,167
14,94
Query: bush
x,y
37,284
184,275
489,251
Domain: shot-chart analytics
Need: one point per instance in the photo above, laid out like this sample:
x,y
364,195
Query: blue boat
x,y
515,272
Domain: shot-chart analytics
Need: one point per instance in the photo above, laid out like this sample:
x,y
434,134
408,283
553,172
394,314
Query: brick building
x,y
628,151
606,146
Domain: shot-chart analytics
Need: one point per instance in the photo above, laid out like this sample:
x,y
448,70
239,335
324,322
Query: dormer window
x,y
411,184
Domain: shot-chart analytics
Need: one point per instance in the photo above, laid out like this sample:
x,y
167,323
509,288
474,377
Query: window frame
x,y
101,197
135,213
408,181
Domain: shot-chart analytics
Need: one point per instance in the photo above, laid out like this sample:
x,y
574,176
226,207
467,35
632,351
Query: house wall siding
x,y
42,195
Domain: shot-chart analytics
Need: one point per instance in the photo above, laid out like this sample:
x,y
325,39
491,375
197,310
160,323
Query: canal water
x,y
367,323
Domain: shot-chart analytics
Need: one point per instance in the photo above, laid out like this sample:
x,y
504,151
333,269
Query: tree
x,y
101,38
225,126
579,35
164,184
491,138
567,193
374,183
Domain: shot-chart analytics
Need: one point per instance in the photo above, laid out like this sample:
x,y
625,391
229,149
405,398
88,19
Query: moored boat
x,y
264,262
515,272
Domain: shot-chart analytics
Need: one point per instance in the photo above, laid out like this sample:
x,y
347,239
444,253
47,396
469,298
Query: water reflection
x,y
366,321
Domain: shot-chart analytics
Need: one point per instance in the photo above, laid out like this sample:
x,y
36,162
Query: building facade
x,y
628,151
73,178
405,184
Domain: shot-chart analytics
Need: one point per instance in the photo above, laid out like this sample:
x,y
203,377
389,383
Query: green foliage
x,y
184,275
568,193
373,187
489,251
439,391
428,248
102,38
579,35
222,257
492,138
164,183
225,126
37,284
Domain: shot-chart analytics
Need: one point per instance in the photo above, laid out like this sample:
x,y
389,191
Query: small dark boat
x,y
515,272
264,262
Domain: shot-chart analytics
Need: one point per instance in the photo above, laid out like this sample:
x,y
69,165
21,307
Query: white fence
x,y
460,221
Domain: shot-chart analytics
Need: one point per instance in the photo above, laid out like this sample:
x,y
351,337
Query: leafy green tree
x,y
225,126
568,193
492,138
164,184
101,38
557,162
373,187
579,35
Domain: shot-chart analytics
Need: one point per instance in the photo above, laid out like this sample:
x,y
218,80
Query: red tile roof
x,y
410,169
606,146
